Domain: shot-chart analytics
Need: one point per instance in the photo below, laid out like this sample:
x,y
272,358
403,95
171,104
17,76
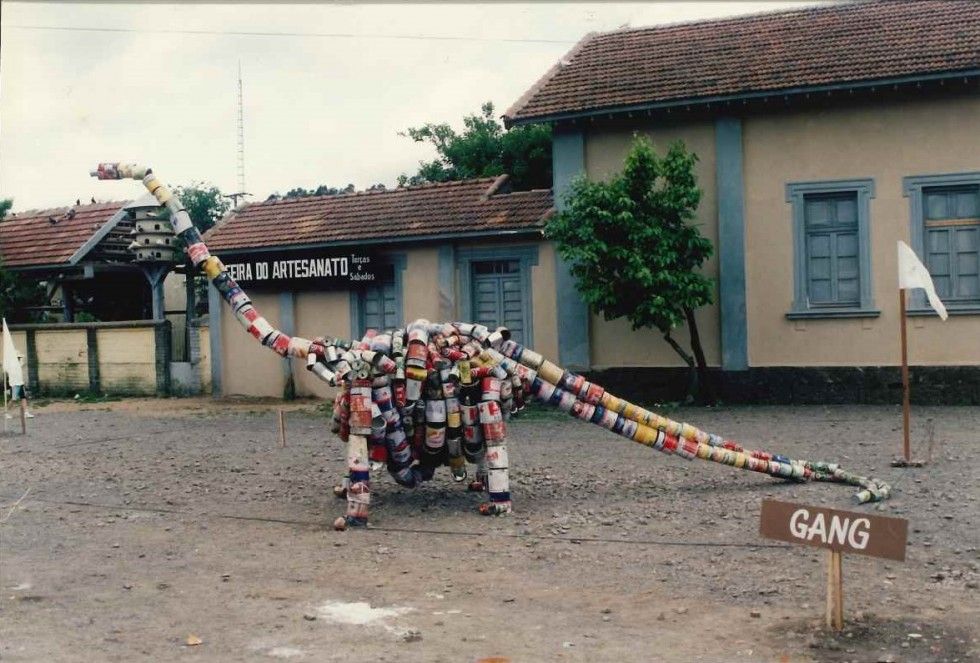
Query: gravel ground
x,y
148,525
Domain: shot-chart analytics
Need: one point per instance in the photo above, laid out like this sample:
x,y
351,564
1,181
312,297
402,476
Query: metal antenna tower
x,y
241,144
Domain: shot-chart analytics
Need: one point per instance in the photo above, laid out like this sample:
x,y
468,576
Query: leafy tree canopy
x,y
204,203
323,190
633,250
484,149
16,292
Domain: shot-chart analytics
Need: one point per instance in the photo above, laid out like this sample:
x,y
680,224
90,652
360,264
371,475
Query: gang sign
x,y
840,531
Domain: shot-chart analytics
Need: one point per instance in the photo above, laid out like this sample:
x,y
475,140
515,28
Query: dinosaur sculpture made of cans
x,y
434,394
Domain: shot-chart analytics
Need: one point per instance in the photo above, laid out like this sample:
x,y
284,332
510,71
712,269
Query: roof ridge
x,y
23,215
760,53
818,6
340,196
515,107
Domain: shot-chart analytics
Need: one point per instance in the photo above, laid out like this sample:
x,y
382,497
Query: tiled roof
x,y
51,237
469,206
812,47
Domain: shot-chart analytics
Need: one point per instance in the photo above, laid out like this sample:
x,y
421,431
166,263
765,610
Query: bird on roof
x,y
93,200
78,201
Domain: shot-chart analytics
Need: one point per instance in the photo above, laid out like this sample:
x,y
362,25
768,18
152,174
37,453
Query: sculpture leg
x,y
359,491
498,482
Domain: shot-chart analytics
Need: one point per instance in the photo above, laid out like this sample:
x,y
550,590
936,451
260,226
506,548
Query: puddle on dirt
x,y
361,613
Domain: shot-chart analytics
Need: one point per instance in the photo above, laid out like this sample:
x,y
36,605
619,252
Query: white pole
x,y
5,401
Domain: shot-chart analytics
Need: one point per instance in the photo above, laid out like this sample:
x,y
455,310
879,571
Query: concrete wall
x,y
420,284
319,314
883,142
127,360
62,360
613,343
248,368
204,364
545,303
126,357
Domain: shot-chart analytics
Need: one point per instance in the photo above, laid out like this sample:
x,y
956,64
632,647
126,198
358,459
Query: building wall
x,y
545,309
319,314
420,291
204,362
883,142
63,360
124,362
248,368
613,343
127,359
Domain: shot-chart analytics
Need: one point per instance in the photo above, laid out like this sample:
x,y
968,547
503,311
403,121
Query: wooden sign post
x,y
282,429
838,532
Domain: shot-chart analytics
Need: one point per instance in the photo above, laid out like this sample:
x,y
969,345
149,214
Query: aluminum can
x,y
435,411
593,394
490,387
435,437
549,372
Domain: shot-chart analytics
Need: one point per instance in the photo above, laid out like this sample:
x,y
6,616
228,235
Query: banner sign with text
x,y
319,270
843,531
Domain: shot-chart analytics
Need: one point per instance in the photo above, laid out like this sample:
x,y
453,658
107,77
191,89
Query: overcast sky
x,y
323,109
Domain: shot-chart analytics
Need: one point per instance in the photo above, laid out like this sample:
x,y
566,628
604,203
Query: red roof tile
x,y
469,206
804,48
31,239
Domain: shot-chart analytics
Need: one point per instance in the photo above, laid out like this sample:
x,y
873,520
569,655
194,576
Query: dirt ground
x,y
129,529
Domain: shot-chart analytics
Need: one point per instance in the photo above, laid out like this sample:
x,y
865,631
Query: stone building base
x,y
797,385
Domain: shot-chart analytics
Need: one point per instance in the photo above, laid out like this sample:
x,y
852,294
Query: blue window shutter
x,y
968,262
820,269
831,249
848,275
937,260
833,255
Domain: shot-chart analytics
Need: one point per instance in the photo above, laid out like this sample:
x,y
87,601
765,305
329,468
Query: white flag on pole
x,y
913,274
11,359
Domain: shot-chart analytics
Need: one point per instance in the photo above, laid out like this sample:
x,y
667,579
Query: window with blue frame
x,y
945,232
832,256
831,227
951,223
379,307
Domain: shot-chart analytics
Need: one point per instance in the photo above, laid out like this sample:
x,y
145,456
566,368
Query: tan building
x,y
338,265
825,135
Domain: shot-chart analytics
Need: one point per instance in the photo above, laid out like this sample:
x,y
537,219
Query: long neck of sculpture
x,y
211,265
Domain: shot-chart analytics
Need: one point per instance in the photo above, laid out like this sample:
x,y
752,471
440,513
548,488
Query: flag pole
x,y
906,447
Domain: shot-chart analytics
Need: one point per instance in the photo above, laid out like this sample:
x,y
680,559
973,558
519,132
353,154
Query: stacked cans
x,y
441,393
423,397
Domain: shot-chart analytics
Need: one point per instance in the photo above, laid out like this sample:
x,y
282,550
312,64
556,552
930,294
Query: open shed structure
x,y
97,285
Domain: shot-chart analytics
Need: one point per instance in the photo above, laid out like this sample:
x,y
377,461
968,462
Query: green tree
x,y
484,149
17,293
204,203
322,190
634,252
